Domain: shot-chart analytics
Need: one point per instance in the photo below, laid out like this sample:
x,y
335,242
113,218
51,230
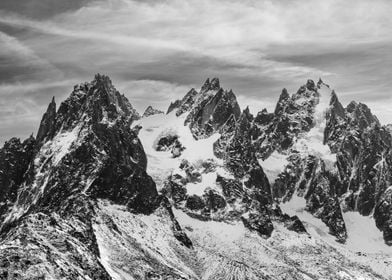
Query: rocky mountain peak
x,y
94,102
212,85
151,111
211,111
310,85
48,123
284,96
246,115
187,102
361,114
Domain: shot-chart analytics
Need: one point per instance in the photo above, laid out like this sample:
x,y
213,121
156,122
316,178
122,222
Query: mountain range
x,y
204,191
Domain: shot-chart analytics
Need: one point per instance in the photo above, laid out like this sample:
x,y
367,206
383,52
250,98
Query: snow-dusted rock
x,y
150,111
211,109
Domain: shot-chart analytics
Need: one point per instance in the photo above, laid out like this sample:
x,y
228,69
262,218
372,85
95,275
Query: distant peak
x,y
334,96
102,79
246,113
310,85
151,111
336,106
321,83
47,127
213,84
285,94
352,106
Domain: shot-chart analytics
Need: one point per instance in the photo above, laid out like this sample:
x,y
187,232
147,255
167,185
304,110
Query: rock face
x,y
15,157
309,178
211,108
170,143
173,105
363,148
150,111
86,151
293,115
383,214
208,109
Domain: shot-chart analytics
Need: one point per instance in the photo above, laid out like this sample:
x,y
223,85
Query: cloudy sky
x,y
155,51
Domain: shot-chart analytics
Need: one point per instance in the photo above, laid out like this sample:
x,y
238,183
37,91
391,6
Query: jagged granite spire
x,y
15,158
48,123
213,85
211,112
284,96
151,111
92,155
173,105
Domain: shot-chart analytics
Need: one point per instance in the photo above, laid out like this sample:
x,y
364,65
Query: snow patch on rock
x,y
274,165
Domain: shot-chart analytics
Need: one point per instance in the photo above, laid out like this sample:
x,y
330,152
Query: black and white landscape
x,y
205,191
195,154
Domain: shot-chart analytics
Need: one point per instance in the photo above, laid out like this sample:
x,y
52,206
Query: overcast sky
x,y
155,51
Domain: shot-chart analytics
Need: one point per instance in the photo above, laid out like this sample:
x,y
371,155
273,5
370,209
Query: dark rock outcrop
x,y
212,113
383,215
170,143
308,178
239,155
173,105
363,149
150,111
211,109
15,158
258,221
47,127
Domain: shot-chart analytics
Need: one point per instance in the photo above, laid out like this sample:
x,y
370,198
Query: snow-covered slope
x,y
160,164
137,246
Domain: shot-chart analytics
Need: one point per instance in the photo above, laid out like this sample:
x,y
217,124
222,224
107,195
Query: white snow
x,y
161,163
363,235
315,227
274,165
208,181
225,232
61,144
